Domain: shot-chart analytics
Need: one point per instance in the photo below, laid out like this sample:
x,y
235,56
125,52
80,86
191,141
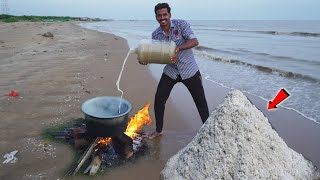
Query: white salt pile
x,y
237,142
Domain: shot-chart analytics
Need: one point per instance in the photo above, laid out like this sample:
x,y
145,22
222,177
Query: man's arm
x,y
189,44
188,35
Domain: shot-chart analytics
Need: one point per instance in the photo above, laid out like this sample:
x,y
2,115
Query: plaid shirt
x,y
185,65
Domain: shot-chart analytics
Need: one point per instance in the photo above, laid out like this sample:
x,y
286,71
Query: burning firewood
x,y
137,144
123,145
94,166
110,151
86,155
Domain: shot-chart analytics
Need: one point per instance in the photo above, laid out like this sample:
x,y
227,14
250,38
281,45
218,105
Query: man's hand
x,y
142,63
174,58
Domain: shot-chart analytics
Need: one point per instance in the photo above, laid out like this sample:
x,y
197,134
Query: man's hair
x,y
161,6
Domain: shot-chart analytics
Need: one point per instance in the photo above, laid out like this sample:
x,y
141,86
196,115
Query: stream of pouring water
x,y
118,81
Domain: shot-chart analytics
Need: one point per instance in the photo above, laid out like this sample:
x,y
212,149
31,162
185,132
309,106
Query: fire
x,y
135,124
104,140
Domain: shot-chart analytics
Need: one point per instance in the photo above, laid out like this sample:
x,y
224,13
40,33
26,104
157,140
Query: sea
x,y
257,57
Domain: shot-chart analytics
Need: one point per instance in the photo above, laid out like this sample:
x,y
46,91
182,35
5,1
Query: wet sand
x,y
300,133
55,75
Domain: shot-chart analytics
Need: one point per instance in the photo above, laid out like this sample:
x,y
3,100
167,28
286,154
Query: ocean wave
x,y
261,68
303,34
205,48
287,58
208,78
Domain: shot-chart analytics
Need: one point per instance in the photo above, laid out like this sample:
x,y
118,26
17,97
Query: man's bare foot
x,y
154,135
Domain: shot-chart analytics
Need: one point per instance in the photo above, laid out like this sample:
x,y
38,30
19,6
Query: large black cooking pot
x,y
103,118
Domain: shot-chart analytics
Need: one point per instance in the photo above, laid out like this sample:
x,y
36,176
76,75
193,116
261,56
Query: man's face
x,y
163,17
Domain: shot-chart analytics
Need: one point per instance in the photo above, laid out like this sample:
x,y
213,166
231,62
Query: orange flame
x,y
104,140
137,122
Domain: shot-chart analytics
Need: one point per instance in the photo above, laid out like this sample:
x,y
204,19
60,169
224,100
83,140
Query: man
x,y
183,68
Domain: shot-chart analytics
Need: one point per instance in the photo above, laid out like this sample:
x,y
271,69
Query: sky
x,y
181,9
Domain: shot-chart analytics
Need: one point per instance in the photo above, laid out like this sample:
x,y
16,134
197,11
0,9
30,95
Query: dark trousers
x,y
194,85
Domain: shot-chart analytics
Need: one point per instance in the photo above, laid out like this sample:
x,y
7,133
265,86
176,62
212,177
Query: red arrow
x,y
282,95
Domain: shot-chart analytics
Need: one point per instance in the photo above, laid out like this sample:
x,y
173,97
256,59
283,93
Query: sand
x,y
55,75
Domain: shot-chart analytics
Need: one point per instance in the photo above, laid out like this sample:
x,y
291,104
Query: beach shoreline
x,y
299,132
55,75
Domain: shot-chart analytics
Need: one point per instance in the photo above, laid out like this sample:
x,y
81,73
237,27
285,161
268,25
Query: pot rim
x,y
84,104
